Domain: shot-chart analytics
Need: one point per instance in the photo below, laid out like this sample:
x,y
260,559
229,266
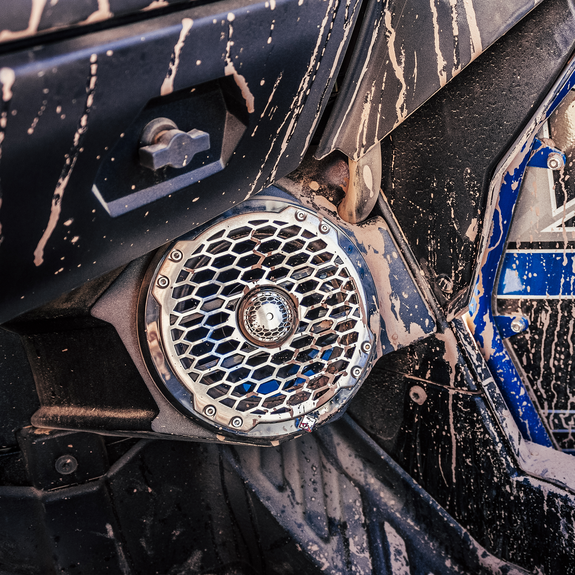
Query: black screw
x,y
66,464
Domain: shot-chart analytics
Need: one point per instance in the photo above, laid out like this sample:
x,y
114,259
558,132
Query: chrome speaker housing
x,y
258,323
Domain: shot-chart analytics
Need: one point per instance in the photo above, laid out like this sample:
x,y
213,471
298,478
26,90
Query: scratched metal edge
x,y
358,106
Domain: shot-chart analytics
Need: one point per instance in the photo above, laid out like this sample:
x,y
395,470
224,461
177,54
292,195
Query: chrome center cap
x,y
267,316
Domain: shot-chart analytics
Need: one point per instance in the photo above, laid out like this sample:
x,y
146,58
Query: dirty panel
x,y
449,441
22,19
67,107
407,51
537,278
436,179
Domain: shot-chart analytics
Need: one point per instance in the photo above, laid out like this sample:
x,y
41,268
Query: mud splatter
x,y
474,35
230,69
69,164
168,83
441,63
33,22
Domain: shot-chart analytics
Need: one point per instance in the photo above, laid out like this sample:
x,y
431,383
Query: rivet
x,y
366,347
356,371
323,228
210,410
176,256
162,282
66,464
417,394
300,216
236,422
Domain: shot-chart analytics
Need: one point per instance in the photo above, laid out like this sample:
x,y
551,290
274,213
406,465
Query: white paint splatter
x,y
168,83
69,164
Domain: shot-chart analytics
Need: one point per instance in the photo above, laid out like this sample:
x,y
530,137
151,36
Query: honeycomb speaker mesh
x,y
262,318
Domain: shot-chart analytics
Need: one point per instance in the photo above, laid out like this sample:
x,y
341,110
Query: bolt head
x,y
66,464
323,228
236,422
356,371
176,256
162,282
300,216
555,161
366,347
210,410
518,324
445,283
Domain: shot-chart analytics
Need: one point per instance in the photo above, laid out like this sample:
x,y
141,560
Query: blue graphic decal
x,y
537,274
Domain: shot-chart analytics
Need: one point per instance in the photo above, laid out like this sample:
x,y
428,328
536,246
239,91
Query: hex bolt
x,y
555,161
176,256
356,371
210,410
445,283
66,464
237,422
300,216
162,282
366,347
323,228
518,324
417,394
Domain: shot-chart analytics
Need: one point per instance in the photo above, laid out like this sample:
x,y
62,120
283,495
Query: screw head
x,y
417,394
300,216
162,282
518,324
236,422
555,161
445,283
366,347
323,228
176,256
210,410
356,371
66,464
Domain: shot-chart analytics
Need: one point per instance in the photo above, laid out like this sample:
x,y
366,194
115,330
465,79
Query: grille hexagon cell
x,y
262,319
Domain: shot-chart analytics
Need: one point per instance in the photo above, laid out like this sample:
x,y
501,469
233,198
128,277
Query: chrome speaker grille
x,y
262,318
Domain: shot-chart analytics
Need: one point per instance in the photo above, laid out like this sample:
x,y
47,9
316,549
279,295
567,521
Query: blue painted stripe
x,y
537,274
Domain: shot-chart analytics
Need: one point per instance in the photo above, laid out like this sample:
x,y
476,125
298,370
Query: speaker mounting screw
x,y
300,216
176,256
237,422
210,410
356,371
162,282
366,347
